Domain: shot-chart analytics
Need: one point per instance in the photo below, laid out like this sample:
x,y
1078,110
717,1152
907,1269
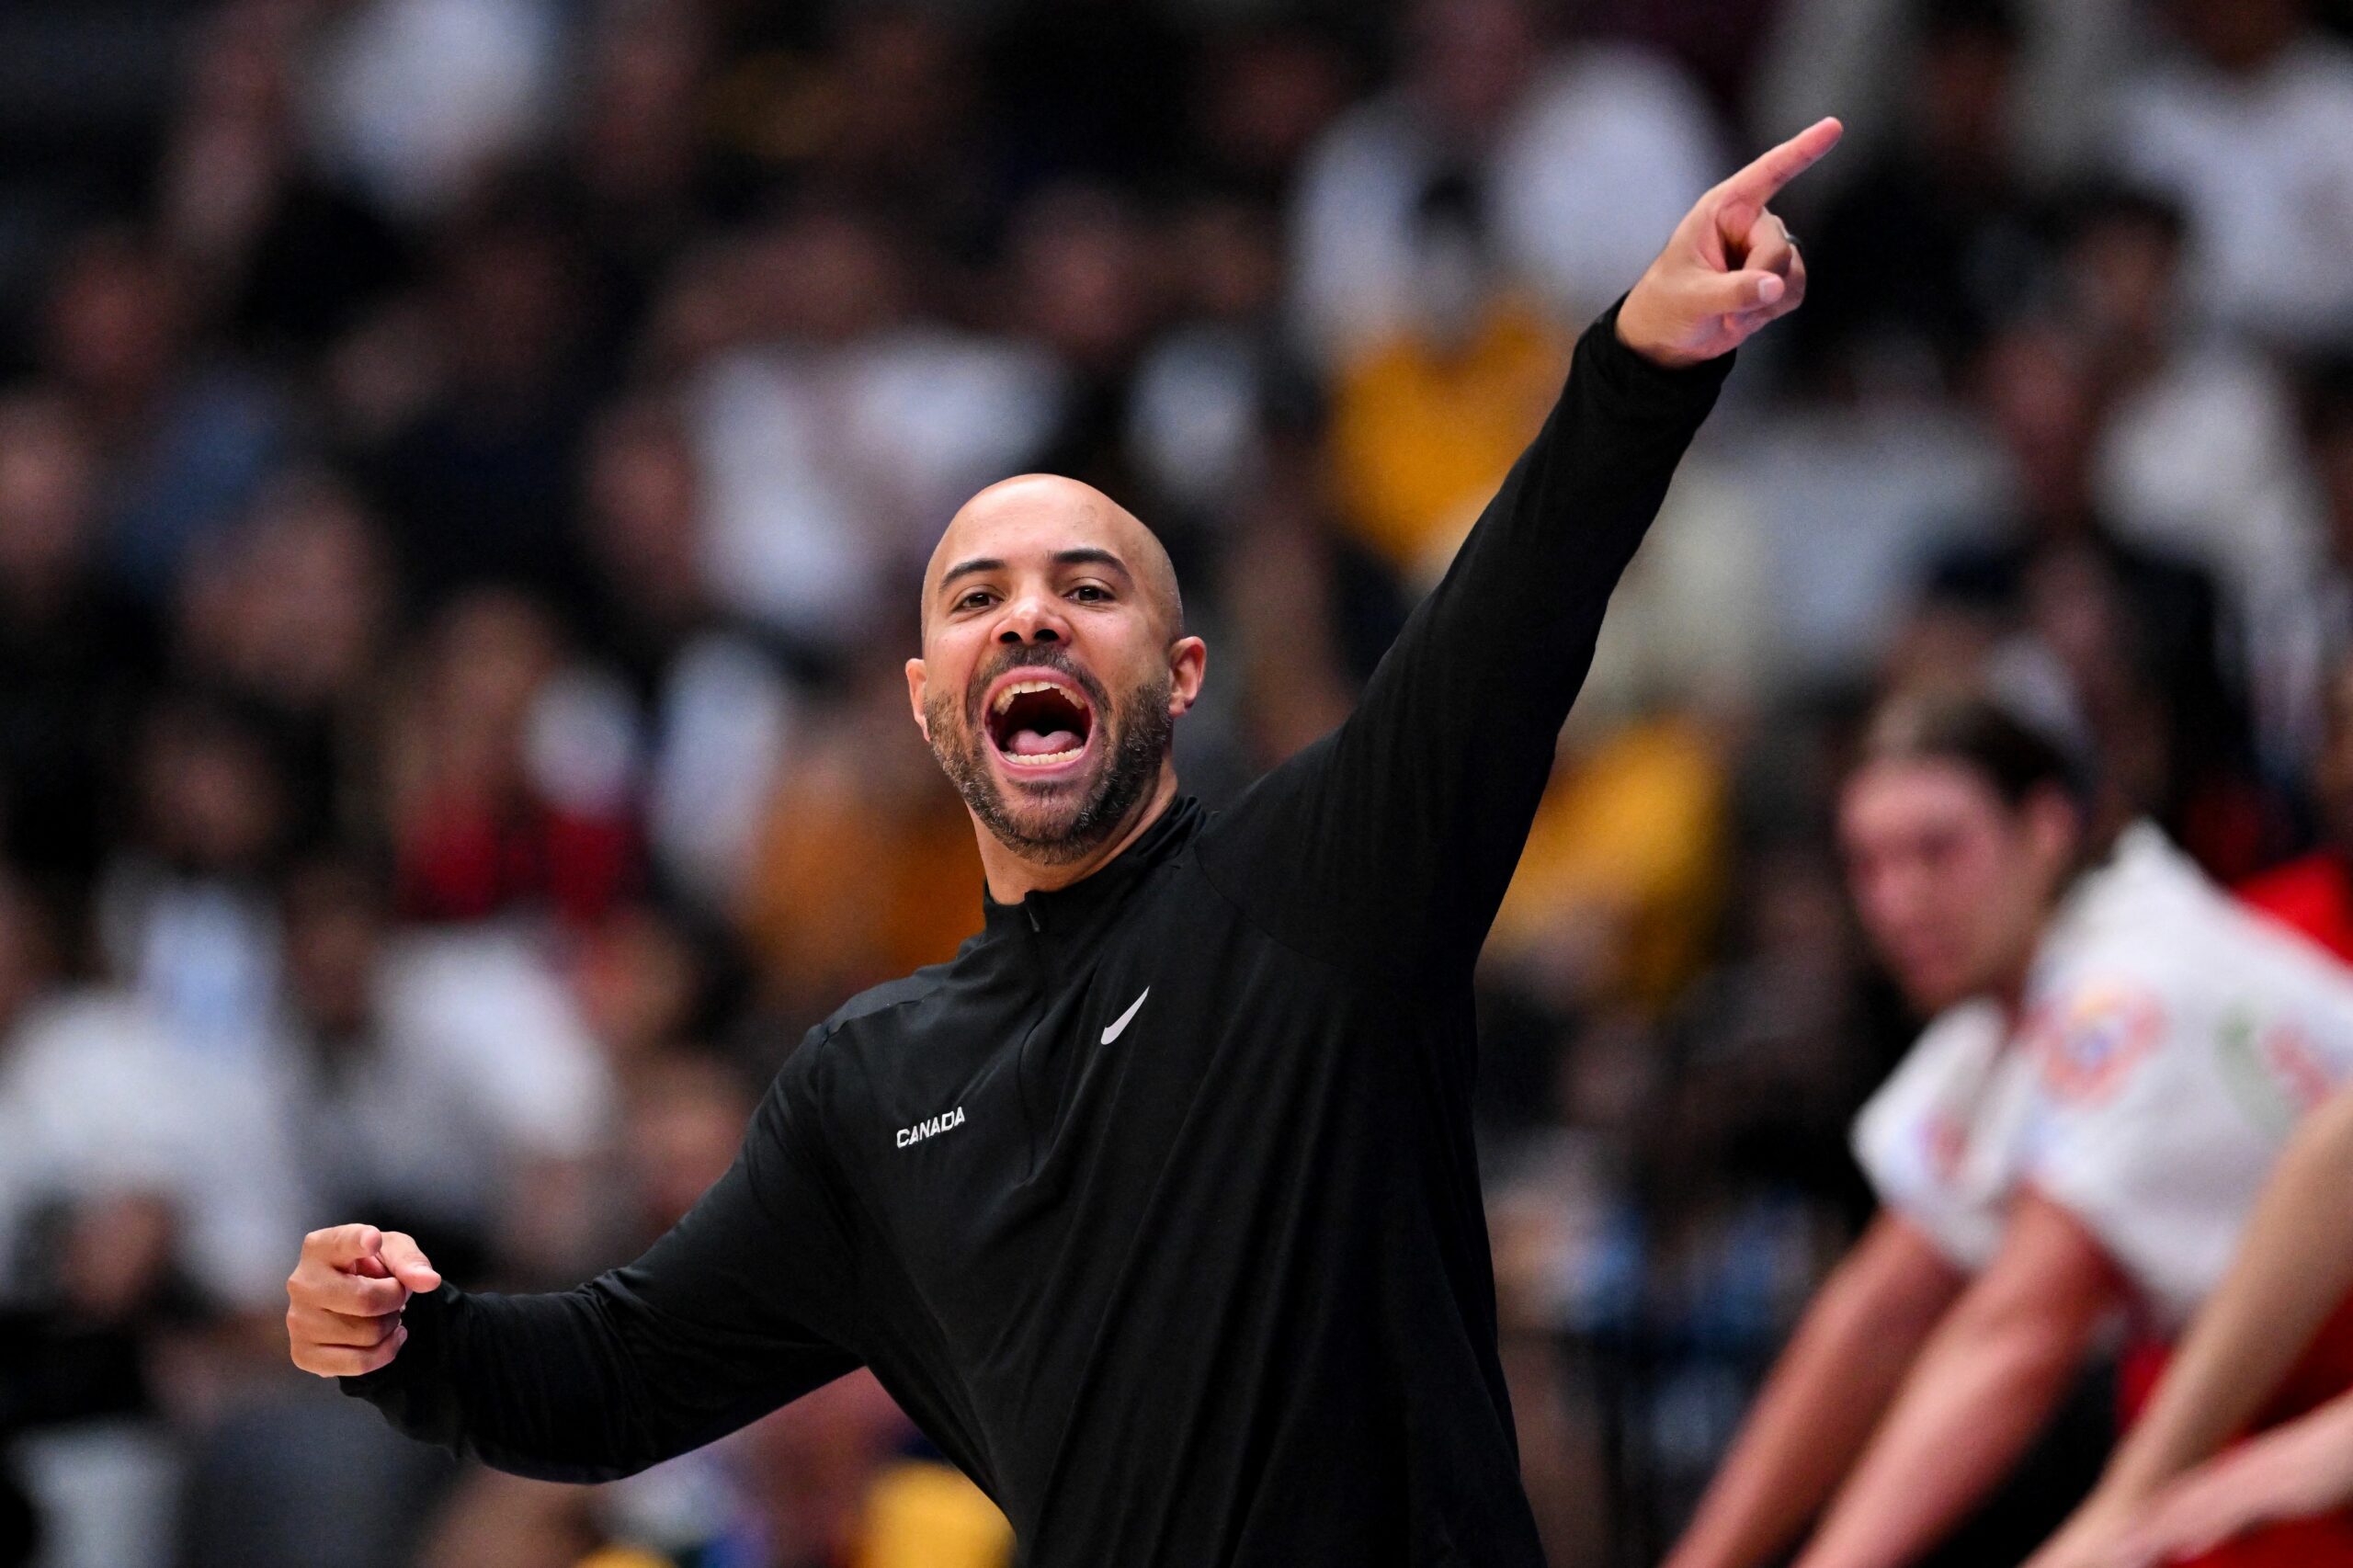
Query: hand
x,y
2292,1472
1730,266
344,1298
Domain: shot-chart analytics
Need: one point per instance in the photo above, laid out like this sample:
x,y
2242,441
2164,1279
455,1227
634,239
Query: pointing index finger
x,y
1762,180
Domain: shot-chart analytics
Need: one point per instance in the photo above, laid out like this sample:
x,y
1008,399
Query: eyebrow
x,y
1082,555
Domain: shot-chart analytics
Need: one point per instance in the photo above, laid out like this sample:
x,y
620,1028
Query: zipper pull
x,y
1030,909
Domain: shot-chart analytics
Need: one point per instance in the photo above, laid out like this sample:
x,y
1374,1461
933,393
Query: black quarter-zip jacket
x,y
1156,1207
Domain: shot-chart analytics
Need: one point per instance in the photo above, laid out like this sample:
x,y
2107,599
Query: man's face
x,y
1951,883
1051,675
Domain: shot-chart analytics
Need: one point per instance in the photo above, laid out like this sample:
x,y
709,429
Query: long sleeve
x,y
1392,839
744,1304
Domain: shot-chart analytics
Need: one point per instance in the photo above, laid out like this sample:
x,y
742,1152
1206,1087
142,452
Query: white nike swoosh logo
x,y
1121,1022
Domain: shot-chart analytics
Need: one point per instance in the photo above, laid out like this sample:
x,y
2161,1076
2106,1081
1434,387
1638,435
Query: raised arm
x,y
1392,838
2294,1269
1827,1391
1986,1383
742,1306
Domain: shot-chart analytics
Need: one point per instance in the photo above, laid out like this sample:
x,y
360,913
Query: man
x,y
1156,1207
2117,1054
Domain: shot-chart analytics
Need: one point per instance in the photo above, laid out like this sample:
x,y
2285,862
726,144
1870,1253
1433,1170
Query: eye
x,y
974,599
1091,593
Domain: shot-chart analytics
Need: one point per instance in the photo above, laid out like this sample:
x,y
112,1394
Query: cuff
x,y
425,1317
1643,383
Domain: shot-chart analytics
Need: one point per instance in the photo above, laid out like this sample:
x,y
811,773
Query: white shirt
x,y
480,1064
2169,1040
1604,154
98,1100
2264,167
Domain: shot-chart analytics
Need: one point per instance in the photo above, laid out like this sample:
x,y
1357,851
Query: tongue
x,y
1029,743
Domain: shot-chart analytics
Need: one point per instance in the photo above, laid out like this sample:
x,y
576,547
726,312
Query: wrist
x,y
1637,330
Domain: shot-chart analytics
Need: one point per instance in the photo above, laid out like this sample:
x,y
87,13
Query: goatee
x,y
1140,733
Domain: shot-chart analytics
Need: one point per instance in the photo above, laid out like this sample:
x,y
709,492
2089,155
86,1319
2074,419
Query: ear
x,y
2054,828
918,682
1188,660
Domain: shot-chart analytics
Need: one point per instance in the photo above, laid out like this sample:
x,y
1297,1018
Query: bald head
x,y
1066,521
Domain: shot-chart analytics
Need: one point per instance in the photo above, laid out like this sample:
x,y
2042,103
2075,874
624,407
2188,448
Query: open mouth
x,y
1039,723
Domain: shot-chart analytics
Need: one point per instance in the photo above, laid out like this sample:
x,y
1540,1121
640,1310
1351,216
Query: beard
x,y
1126,762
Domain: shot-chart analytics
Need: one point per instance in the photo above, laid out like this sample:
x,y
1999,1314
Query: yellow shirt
x,y
1421,437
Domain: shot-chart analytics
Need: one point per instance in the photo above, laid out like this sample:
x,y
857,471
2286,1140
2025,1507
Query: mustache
x,y
1046,656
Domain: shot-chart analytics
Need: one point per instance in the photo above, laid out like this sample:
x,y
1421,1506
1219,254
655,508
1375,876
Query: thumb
x,y
1730,293
404,1260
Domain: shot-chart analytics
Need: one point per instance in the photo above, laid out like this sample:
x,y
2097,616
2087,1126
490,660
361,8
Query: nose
x,y
1032,618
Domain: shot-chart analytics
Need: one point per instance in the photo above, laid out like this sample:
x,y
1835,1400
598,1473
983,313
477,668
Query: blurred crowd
x,y
465,468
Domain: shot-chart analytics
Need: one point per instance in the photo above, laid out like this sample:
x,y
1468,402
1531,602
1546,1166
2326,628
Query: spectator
x,y
1549,145
837,431
711,710
2140,630
184,915
1935,240
511,773
292,616
864,829
281,255
73,655
2250,128
187,440
1426,421
478,475
445,1081
2198,451
413,101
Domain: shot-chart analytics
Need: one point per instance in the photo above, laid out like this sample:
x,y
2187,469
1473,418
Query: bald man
x,y
1156,1207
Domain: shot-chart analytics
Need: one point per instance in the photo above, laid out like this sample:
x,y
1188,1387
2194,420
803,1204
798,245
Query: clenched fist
x,y
344,1298
1730,266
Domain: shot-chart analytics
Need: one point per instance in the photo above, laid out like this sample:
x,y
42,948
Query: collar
x,y
1088,899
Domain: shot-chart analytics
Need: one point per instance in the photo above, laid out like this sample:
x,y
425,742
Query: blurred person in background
x,y
711,703
186,434
410,102
1425,419
134,1172
2117,1054
860,827
447,1079
510,781
2249,126
477,468
2327,399
837,422
2140,630
2272,1353
2197,452
1934,239
282,255
74,652
1084,284
1577,157
289,618
185,914
1209,387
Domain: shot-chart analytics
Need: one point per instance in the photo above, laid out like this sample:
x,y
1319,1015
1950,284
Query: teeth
x,y
1021,689
1043,760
